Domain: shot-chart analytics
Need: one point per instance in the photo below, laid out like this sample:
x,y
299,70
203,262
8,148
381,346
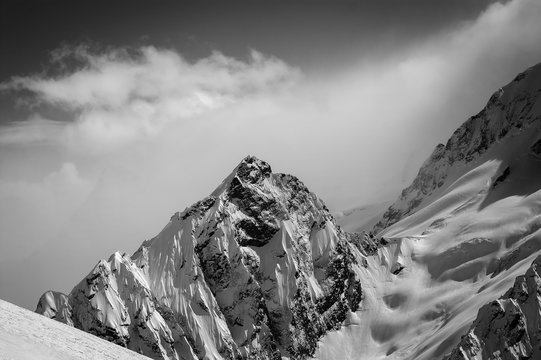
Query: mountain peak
x,y
258,269
253,170
250,171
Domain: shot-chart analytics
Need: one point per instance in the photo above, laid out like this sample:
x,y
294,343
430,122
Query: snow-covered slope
x,y
511,110
259,269
460,235
25,335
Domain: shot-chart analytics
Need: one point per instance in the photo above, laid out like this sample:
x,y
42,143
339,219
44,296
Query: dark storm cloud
x,y
295,31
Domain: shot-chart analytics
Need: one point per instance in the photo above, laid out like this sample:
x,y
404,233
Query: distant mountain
x,y
259,269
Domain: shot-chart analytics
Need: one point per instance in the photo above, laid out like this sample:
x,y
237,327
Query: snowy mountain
x,y
259,269
458,237
511,111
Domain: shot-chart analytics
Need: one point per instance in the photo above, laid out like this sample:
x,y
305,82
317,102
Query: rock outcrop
x,y
510,327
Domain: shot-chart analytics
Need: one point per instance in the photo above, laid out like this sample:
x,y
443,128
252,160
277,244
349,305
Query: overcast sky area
x,y
114,115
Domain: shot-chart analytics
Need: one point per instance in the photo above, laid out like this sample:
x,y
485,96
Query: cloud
x,y
118,96
31,212
35,129
397,109
118,77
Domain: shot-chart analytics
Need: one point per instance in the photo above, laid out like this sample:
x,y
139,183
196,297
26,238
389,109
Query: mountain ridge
x,y
508,110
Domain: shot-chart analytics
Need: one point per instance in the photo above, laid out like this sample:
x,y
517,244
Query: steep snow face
x,y
507,328
422,291
259,269
115,303
25,335
513,109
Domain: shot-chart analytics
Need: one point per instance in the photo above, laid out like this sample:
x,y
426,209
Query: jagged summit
x,y
253,170
250,170
258,269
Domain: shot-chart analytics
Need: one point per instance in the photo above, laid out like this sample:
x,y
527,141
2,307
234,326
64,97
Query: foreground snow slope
x,y
459,236
27,335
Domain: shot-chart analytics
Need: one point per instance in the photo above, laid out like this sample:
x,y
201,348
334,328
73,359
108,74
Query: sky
x,y
115,115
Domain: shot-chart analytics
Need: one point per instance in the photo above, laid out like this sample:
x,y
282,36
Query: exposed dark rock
x,y
255,233
507,328
252,170
536,148
501,178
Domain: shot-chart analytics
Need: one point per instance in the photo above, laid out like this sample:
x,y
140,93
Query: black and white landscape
x,y
322,219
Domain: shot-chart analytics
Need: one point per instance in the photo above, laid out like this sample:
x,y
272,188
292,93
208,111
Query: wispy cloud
x,y
34,130
120,95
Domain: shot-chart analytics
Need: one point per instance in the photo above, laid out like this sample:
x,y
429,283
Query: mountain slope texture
x,y
463,232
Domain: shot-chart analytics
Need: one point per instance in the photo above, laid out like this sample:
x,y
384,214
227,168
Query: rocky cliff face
x,y
257,270
510,327
510,110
